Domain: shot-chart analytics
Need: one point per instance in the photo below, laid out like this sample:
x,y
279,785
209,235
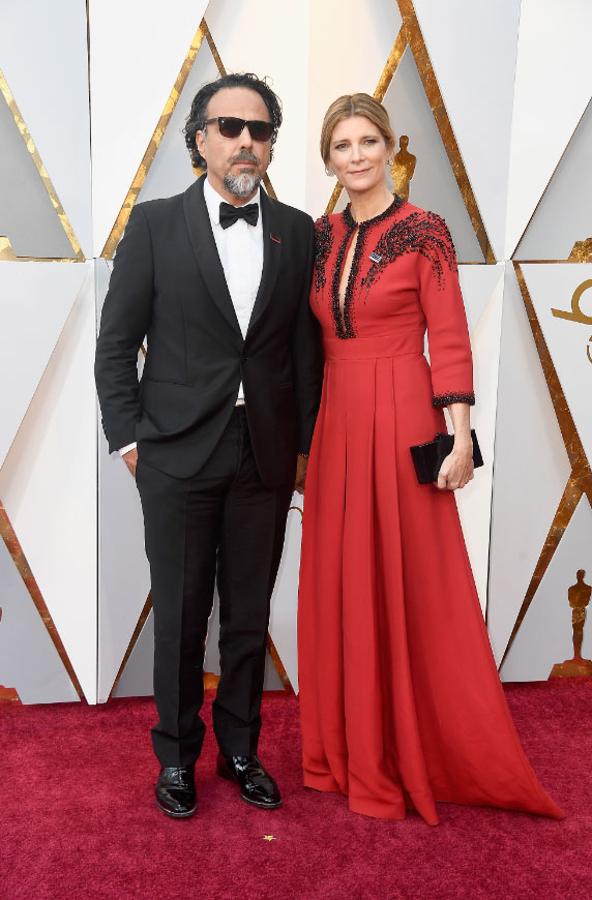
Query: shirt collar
x,y
214,199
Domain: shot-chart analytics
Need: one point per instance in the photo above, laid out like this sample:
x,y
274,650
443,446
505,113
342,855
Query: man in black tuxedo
x,y
217,279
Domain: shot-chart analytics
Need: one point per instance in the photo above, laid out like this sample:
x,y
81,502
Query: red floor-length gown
x,y
401,703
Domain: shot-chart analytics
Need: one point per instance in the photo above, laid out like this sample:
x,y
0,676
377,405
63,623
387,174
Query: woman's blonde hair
x,y
355,105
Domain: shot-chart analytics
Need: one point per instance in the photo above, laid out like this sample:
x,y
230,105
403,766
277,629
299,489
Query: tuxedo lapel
x,y
206,252
272,251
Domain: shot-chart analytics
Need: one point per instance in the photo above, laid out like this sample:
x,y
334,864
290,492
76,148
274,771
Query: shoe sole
x,y
260,805
174,815
222,774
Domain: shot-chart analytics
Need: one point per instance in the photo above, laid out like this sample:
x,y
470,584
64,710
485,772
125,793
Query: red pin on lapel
x,y
275,238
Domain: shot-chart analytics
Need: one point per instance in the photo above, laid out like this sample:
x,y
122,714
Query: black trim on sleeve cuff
x,y
447,399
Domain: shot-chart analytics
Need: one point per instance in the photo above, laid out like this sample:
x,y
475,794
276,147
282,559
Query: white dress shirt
x,y
240,248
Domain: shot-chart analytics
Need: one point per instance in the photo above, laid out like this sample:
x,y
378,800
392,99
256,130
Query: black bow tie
x,y
231,214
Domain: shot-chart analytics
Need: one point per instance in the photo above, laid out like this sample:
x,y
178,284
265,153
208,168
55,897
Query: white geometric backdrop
x,y
497,101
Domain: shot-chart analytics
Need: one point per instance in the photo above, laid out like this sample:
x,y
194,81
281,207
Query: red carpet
x,y
77,818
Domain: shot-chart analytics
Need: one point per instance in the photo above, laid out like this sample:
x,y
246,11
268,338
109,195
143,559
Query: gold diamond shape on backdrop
x,y
6,252
580,479
108,252
410,35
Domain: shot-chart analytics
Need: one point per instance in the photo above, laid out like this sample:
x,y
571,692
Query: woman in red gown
x,y
401,703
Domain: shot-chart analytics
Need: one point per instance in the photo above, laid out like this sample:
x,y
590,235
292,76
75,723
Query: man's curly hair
x,y
199,109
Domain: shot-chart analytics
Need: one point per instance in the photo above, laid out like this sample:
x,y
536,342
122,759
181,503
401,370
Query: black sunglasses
x,y
230,127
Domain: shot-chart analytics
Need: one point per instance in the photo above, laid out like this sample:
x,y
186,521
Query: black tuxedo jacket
x,y
168,285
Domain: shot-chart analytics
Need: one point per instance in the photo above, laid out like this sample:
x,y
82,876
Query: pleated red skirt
x,y
400,697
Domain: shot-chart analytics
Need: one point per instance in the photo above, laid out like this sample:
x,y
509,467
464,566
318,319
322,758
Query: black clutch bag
x,y
428,458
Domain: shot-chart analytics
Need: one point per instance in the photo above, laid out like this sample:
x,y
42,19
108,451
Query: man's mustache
x,y
245,156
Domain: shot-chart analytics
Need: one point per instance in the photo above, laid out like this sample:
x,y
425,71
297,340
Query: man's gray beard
x,y
243,185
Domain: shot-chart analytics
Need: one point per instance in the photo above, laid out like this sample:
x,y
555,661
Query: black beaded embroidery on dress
x,y
447,399
323,241
351,222
345,322
344,325
424,233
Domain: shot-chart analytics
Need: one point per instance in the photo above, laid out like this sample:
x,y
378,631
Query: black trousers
x,y
221,525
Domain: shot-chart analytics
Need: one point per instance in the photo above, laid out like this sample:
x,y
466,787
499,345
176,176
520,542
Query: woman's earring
x,y
328,172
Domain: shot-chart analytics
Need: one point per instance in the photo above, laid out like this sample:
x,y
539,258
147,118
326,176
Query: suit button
x,y
244,358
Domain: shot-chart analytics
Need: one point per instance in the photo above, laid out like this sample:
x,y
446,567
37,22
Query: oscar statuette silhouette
x,y
579,597
403,168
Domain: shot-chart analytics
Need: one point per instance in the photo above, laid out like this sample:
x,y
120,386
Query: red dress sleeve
x,y
442,303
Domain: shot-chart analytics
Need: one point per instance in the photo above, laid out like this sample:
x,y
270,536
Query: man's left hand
x,y
301,465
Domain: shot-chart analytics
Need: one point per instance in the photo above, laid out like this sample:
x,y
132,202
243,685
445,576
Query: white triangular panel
x,y
553,88
136,678
342,60
48,486
545,635
474,500
242,40
124,577
136,55
531,469
35,299
171,171
27,216
212,656
563,215
472,46
433,185
478,284
29,661
284,602
44,56
552,287
271,679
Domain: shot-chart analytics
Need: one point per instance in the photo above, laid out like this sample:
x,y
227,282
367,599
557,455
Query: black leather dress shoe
x,y
175,792
256,785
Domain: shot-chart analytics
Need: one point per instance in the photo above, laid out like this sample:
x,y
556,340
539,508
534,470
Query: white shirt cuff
x,y
127,448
